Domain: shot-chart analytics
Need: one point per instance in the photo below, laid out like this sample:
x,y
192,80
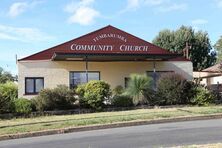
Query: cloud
x,y
18,8
154,2
82,12
7,36
157,5
199,22
219,3
172,7
23,34
131,5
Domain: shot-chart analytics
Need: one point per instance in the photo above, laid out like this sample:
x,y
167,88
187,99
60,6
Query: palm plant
x,y
137,85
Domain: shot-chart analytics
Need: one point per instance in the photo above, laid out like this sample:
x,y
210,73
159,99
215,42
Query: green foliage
x,y
188,91
183,35
203,97
200,52
150,95
33,103
93,94
137,85
8,93
118,90
218,47
80,90
173,89
60,97
5,76
122,101
165,39
22,106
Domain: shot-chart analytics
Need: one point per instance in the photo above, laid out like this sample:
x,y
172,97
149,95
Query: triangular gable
x,y
107,40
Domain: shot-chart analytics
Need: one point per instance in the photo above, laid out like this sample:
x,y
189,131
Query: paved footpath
x,y
154,135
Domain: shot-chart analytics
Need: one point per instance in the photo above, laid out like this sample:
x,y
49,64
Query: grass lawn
x,y
21,125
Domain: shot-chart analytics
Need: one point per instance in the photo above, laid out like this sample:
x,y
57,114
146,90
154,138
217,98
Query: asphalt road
x,y
155,135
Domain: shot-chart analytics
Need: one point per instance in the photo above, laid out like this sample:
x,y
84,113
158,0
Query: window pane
x,y
71,80
39,84
29,83
77,78
93,76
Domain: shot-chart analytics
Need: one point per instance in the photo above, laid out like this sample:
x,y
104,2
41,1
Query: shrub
x,y
118,90
93,94
203,97
58,98
150,96
22,106
137,85
80,90
189,91
33,104
173,89
122,101
8,92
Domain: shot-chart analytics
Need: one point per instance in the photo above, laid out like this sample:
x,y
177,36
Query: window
x,y
33,85
77,78
156,76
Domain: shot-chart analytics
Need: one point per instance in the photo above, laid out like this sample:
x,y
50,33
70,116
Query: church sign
x,y
123,47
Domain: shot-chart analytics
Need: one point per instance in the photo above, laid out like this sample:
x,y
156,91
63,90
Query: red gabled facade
x,y
107,40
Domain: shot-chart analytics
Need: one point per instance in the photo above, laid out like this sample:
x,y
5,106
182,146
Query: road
x,y
155,135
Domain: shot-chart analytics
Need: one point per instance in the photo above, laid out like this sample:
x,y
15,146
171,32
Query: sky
x,y
30,26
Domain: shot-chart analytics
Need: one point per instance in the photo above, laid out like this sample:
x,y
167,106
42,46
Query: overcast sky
x,y
29,26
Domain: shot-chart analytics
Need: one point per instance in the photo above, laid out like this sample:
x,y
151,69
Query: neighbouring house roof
x,y
203,74
209,72
214,68
108,41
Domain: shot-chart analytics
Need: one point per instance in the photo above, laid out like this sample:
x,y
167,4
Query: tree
x,y
165,39
5,76
200,51
137,86
218,47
